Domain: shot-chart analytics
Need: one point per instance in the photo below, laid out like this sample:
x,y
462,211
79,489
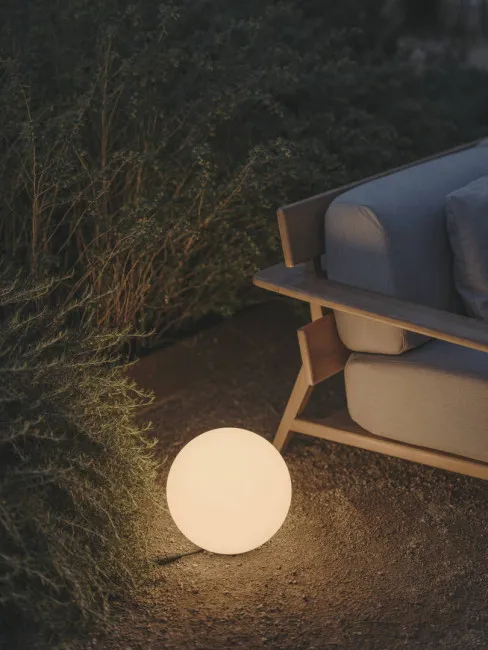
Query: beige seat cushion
x,y
434,396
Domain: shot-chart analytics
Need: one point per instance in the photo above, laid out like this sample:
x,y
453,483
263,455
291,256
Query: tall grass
x,y
77,475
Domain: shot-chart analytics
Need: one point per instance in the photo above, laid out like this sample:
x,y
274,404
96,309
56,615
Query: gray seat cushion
x,y
435,396
390,235
467,225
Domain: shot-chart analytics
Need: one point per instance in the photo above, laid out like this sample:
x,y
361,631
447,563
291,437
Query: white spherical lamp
x,y
229,491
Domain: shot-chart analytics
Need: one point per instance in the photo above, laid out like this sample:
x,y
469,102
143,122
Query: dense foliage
x,y
147,145
77,484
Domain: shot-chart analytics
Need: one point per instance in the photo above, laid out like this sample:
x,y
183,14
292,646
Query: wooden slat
x,y
316,311
323,353
301,224
340,428
434,323
302,228
299,397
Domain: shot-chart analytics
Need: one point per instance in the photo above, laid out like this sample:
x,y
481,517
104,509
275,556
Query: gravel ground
x,y
376,553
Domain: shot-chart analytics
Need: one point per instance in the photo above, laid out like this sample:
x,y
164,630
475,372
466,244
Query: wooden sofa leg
x,y
298,400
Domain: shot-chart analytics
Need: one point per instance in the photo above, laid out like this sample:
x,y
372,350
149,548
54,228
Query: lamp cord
x,y
167,559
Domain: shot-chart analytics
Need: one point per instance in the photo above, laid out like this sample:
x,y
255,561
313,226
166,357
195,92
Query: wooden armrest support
x,y
435,323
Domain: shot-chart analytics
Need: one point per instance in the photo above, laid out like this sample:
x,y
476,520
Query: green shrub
x,y
147,145
76,474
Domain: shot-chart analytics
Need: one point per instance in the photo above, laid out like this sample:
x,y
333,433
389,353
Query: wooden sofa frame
x,y
301,227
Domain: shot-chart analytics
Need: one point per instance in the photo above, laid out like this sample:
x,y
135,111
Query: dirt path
x,y
376,553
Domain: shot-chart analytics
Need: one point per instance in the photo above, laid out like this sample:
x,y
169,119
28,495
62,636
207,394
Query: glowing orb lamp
x,y
229,491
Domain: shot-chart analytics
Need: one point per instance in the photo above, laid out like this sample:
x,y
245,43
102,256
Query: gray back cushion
x,y
467,226
390,235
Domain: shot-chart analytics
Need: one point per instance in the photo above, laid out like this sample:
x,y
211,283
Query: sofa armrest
x,y
435,323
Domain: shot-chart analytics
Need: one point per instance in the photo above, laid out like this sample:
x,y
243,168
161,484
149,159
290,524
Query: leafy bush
x,y
147,145
76,474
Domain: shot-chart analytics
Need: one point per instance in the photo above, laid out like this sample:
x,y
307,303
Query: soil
x,y
376,553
